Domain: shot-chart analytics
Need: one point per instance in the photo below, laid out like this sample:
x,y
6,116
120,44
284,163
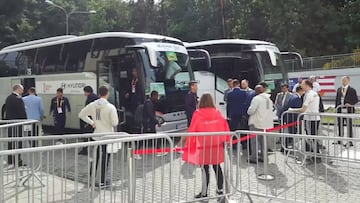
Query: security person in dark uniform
x,y
15,109
86,128
90,97
58,107
191,101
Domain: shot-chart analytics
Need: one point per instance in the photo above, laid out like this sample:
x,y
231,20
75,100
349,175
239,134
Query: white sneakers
x,y
137,157
161,154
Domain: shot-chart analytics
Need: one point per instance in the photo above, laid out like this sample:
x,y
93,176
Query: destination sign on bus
x,y
69,86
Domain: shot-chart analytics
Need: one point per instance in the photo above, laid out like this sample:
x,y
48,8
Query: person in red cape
x,y
207,150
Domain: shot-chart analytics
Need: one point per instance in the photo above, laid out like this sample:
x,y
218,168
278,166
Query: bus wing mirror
x,y
272,57
293,58
200,55
151,53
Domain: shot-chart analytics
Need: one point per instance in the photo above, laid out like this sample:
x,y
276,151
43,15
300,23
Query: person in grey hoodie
x,y
104,118
260,119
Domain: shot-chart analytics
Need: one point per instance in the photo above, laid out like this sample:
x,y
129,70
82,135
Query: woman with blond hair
x,y
207,150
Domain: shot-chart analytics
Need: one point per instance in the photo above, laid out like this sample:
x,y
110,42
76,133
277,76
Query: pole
x,y
223,18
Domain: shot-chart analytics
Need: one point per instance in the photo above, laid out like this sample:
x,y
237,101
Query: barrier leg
x,y
93,172
266,175
2,198
131,186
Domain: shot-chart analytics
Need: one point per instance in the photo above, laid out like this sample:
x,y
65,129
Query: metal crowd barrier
x,y
149,168
13,165
330,177
70,177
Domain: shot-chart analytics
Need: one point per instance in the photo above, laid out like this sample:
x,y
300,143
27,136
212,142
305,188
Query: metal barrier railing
x,y
161,177
351,60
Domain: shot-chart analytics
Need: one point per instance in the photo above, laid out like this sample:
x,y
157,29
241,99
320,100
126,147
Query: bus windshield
x,y
170,79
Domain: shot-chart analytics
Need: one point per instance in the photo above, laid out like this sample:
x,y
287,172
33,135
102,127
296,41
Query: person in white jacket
x,y
104,118
260,118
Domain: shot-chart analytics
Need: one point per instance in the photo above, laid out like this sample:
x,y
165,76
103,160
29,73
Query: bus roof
x,y
50,39
47,42
228,41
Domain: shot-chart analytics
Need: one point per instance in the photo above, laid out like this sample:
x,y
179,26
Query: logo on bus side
x,y
69,86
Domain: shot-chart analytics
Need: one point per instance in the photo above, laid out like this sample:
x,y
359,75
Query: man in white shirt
x,y
260,119
104,118
310,105
316,85
297,84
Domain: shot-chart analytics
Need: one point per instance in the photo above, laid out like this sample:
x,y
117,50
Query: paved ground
x,y
66,178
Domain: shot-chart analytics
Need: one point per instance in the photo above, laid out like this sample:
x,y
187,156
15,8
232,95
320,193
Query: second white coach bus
x,y
72,62
240,59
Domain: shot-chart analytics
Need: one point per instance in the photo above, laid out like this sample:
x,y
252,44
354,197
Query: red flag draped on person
x,y
209,149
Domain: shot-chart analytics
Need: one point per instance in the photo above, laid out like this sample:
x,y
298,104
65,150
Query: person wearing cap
x,y
191,101
282,99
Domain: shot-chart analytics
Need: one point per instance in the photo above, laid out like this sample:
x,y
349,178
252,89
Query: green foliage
x,y
311,27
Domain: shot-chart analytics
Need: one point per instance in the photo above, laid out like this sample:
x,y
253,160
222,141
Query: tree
x,y
10,21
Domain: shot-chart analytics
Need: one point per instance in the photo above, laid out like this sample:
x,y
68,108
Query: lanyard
x,y
59,104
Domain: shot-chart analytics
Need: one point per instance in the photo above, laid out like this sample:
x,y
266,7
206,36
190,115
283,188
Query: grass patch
x,y
331,120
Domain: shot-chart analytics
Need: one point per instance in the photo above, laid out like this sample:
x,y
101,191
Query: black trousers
x,y
206,178
342,122
14,132
59,123
155,143
101,152
312,128
34,132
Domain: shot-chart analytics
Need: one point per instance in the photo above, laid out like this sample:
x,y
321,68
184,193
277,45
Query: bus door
x,y
105,76
232,67
125,67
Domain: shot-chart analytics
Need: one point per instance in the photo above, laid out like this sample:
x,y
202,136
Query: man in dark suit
x,y
345,96
90,97
150,121
295,101
86,128
237,107
191,101
58,107
133,95
282,98
15,109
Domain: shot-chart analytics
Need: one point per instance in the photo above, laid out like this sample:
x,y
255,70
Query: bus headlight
x,y
160,119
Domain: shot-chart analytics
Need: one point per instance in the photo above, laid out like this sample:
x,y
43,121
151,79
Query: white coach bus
x,y
238,59
72,62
